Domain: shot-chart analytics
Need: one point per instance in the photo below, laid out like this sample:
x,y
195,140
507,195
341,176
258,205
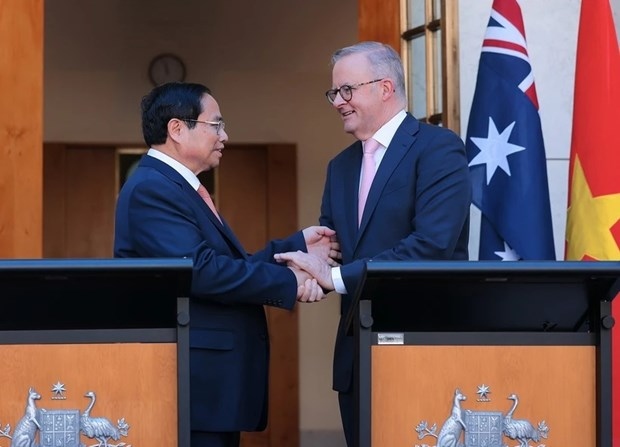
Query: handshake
x,y
313,269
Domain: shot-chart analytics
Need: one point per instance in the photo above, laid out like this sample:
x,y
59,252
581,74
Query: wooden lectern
x,y
94,352
484,353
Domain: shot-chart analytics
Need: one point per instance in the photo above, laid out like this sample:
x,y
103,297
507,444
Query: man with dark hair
x,y
164,211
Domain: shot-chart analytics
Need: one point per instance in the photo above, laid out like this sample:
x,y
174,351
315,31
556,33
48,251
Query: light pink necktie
x,y
369,168
202,192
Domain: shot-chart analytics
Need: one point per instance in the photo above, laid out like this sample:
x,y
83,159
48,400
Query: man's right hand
x,y
308,289
310,292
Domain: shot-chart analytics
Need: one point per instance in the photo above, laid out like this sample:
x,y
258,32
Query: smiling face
x,y
201,146
365,112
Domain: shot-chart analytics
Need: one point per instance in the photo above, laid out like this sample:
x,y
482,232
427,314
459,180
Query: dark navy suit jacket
x,y
159,214
417,208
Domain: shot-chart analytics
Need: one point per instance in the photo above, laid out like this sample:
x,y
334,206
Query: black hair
x,y
172,100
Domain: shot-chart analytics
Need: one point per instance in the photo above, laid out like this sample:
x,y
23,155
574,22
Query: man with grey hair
x,y
400,192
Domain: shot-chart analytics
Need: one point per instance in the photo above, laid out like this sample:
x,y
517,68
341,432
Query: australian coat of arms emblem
x,y
467,428
39,427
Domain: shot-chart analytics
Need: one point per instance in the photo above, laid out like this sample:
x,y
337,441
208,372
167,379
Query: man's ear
x,y
388,88
175,129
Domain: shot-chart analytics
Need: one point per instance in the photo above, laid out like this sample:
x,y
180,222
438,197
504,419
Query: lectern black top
x,y
91,293
558,296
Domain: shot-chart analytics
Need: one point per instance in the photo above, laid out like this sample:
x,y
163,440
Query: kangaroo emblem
x,y
451,430
26,428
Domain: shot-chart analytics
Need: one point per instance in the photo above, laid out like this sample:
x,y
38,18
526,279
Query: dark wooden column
x,y
379,20
21,128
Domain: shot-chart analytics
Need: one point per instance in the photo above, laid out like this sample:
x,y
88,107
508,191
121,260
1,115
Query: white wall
x,y
551,31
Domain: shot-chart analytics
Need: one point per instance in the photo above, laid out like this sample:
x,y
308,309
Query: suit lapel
x,y
402,142
192,195
350,190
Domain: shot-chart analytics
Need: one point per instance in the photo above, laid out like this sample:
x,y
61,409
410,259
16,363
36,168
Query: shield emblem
x,y
484,428
59,428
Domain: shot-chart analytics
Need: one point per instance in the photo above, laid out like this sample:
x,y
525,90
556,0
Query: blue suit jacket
x,y
417,208
160,215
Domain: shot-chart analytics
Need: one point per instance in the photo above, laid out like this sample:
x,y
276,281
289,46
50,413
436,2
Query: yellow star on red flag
x,y
590,220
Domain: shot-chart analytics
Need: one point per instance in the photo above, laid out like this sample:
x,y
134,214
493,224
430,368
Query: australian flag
x,y
505,146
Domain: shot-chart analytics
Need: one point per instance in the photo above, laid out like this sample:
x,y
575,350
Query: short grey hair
x,y
384,60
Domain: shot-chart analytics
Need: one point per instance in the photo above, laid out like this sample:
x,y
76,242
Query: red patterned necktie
x,y
202,192
369,168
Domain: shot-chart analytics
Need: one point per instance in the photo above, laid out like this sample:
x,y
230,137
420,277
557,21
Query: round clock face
x,y
166,68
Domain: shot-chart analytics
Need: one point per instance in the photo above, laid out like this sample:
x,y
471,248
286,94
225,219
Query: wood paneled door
x,y
256,192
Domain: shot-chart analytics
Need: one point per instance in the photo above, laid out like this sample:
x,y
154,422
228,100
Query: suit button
x,y
263,336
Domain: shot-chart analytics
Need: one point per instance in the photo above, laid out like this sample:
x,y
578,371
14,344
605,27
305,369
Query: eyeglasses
x,y
219,125
346,91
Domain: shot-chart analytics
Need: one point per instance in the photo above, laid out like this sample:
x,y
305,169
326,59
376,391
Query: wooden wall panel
x,y
91,200
79,201
241,194
21,128
54,200
379,20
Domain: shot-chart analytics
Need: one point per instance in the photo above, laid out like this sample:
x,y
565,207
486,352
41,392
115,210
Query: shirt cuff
x,y
339,286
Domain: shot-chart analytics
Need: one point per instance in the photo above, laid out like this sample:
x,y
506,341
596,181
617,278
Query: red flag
x,y
593,221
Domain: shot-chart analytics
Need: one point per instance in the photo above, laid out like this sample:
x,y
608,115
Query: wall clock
x,y
166,67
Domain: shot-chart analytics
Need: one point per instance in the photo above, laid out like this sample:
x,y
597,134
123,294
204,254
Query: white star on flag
x,y
508,254
495,149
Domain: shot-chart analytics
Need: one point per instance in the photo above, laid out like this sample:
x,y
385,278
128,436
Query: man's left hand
x,y
322,243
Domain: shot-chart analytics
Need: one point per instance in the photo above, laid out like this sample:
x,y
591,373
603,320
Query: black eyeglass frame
x,y
346,91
